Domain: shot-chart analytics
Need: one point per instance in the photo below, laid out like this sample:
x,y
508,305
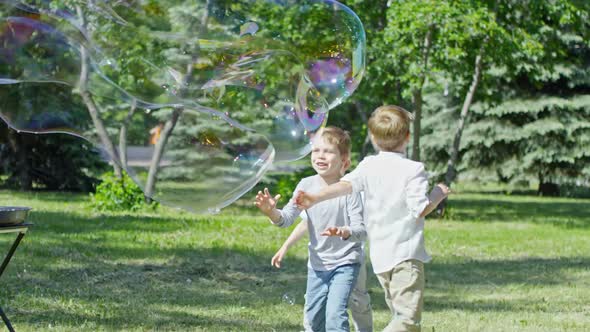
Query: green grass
x,y
501,263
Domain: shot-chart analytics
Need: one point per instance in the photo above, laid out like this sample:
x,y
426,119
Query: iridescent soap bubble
x,y
269,45
169,76
281,104
333,78
256,78
206,163
35,51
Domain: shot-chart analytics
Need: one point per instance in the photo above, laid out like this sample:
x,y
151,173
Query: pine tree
x,y
532,119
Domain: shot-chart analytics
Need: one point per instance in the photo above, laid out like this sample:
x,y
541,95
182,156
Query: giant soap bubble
x,y
194,99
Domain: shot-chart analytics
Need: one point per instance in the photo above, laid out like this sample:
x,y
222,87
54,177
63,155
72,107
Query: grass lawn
x,y
501,263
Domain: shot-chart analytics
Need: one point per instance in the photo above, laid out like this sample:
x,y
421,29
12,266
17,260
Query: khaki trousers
x,y
404,291
360,303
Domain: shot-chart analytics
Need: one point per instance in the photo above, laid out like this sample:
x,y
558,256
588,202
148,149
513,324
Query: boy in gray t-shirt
x,y
336,231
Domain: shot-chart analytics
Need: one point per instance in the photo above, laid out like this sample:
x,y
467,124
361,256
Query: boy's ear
x,y
345,165
373,143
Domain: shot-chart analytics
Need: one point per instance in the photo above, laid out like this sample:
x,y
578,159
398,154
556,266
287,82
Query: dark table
x,y
21,229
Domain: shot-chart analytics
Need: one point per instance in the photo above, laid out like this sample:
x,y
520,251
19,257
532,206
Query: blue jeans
x,y
327,298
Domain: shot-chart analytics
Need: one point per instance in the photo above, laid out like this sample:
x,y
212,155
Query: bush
x,y
114,194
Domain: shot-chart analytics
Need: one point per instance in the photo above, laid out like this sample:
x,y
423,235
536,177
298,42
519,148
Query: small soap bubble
x,y
287,298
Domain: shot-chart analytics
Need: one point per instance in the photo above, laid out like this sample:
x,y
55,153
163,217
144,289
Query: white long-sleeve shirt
x,y
329,252
395,195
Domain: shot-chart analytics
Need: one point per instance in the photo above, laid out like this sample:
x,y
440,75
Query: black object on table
x,y
21,229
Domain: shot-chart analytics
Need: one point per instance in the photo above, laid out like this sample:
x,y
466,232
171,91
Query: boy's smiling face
x,y
327,160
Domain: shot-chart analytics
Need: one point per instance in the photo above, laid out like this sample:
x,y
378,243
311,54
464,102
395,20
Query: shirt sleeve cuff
x,y
349,231
278,223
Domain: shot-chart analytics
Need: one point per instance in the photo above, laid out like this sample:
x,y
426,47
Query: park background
x,y
501,96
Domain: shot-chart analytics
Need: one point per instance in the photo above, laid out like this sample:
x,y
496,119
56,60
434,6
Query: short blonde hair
x,y
338,137
390,126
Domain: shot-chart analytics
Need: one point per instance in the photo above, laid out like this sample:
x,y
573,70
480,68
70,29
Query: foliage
x,y
531,120
52,162
48,162
119,194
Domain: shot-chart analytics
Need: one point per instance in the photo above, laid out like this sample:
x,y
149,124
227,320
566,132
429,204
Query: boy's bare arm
x,y
295,236
437,195
305,200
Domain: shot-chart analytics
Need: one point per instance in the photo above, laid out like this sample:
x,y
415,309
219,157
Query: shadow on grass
x,y
531,271
76,270
495,276
512,192
567,214
215,289
73,270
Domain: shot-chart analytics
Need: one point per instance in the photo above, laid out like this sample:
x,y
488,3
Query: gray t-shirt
x,y
329,252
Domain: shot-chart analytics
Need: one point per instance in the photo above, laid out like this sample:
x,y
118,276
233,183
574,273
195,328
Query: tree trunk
x,y
171,123
451,174
417,101
367,141
123,135
451,165
91,106
205,17
417,94
382,20
365,147
24,170
23,167
102,132
164,135
159,151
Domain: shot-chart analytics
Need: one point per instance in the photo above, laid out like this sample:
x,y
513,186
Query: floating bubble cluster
x,y
195,99
287,298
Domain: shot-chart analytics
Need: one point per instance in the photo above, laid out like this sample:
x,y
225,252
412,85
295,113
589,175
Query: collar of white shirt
x,y
392,153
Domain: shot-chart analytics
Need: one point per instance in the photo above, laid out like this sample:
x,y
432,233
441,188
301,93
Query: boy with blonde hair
x,y
336,231
396,203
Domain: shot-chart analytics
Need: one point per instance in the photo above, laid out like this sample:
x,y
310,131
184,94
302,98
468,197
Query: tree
x,y
536,73
381,83
545,106
416,41
51,162
33,56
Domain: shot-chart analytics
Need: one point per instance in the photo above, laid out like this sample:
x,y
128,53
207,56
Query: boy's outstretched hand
x,y
440,192
278,258
436,196
343,232
304,200
265,202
